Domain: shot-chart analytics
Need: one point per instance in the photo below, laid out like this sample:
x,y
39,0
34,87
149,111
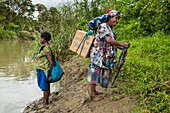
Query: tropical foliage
x,y
144,23
146,72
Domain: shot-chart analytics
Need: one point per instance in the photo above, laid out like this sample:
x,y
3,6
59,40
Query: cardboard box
x,y
81,44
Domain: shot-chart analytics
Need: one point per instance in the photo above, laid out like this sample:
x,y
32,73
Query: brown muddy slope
x,y
73,98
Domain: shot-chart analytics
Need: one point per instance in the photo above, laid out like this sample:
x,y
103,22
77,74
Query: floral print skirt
x,y
101,76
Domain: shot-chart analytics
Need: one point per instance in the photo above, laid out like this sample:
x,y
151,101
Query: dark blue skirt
x,y
41,79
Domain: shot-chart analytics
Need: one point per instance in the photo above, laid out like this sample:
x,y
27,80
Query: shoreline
x,y
73,97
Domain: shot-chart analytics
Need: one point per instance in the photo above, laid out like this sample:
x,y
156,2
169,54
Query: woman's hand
x,y
126,45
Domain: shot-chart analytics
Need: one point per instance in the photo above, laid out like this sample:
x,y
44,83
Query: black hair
x,y
46,36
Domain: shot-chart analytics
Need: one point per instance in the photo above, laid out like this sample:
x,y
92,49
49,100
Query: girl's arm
x,y
50,62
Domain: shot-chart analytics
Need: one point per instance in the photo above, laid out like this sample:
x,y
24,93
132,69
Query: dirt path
x,y
73,97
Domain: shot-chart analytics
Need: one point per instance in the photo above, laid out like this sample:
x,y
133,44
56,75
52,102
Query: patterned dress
x,y
43,68
102,57
42,61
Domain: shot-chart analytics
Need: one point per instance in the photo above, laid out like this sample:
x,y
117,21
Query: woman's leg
x,y
93,77
93,94
92,89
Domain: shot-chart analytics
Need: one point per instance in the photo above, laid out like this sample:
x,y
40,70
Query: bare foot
x,y
40,106
98,93
96,98
40,101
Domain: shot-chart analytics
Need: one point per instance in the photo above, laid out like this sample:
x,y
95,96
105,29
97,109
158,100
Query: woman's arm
x,y
116,43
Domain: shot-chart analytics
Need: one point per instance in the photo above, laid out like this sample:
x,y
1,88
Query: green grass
x,y
146,70
7,34
146,73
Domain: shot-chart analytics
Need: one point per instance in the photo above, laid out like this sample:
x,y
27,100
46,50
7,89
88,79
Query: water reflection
x,y
13,59
17,77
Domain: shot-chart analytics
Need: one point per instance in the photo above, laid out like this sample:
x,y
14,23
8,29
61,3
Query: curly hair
x,y
46,36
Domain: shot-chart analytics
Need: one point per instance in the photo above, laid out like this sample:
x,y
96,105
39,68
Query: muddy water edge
x,y
18,85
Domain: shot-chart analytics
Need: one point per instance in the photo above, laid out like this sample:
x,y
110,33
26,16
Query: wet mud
x,y
73,95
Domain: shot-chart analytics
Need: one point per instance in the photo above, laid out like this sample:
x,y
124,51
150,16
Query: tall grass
x,y
146,72
7,34
147,67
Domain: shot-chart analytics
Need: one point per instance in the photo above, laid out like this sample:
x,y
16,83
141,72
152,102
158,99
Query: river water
x,y
18,85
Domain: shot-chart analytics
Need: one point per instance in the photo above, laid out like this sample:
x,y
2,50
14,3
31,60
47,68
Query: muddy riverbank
x,y
73,96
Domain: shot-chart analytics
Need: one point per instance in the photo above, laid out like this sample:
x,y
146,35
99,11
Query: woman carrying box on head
x,y
103,52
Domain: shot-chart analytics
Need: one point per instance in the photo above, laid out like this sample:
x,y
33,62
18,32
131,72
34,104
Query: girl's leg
x,y
46,96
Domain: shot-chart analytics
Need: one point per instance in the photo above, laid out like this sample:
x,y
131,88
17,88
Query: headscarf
x,y
95,23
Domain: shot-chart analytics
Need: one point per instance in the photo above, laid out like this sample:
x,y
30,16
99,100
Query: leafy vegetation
x,y
146,72
145,24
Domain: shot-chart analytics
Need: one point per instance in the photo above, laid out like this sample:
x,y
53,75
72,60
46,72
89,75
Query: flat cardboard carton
x,y
81,44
